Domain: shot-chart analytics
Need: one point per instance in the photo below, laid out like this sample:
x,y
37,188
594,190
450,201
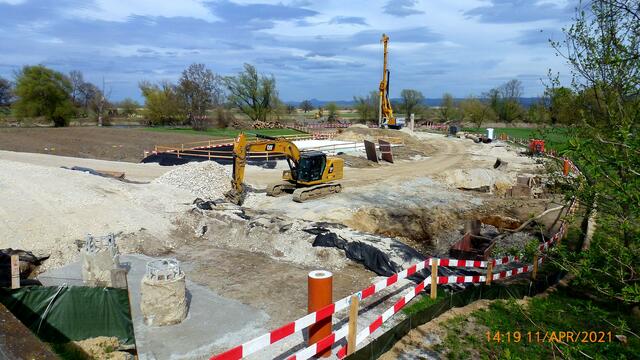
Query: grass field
x,y
226,133
555,138
518,332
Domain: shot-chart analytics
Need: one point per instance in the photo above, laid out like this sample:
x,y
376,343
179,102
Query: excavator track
x,y
315,192
280,188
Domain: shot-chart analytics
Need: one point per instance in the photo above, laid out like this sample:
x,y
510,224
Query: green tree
x,y
128,106
411,101
367,107
162,103
476,111
538,113
447,108
510,109
200,90
332,110
601,48
306,106
43,92
253,94
562,105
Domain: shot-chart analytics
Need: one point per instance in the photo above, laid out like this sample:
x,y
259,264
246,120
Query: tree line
x,y
39,91
201,97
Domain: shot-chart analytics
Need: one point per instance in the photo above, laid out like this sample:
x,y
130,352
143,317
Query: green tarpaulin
x,y
62,314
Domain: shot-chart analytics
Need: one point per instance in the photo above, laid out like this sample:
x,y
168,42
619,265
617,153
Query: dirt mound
x,y
102,348
357,161
416,224
413,145
477,178
207,179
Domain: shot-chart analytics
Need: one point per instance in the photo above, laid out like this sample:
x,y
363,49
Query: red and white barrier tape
x,y
291,328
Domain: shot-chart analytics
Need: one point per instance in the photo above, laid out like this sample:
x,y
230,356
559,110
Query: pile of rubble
x,y
267,125
207,179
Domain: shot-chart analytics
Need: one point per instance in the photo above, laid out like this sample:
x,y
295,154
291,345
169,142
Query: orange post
x,y
320,290
534,273
565,168
489,271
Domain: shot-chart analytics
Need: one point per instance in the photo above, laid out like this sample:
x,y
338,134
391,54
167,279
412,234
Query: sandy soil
x,y
105,143
46,209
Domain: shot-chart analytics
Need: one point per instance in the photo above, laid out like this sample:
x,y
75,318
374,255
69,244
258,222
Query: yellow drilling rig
x,y
385,111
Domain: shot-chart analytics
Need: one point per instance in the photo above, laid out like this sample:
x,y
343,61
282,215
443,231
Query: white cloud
x,y
13,2
121,10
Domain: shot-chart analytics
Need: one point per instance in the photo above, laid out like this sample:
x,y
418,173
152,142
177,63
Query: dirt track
x,y
90,142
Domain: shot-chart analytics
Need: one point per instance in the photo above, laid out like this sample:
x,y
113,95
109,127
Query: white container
x,y
490,133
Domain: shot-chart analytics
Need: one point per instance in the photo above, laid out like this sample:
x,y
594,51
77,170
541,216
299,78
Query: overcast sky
x,y
328,49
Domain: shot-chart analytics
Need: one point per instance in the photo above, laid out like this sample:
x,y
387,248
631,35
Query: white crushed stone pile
x,y
46,209
207,179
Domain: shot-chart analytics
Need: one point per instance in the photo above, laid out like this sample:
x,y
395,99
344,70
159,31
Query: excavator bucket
x,y
235,196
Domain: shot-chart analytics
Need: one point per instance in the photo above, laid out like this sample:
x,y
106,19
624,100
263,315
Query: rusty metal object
x,y
370,148
385,151
472,247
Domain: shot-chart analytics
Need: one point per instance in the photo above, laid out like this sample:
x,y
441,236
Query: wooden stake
x,y
489,271
353,325
434,278
534,273
15,271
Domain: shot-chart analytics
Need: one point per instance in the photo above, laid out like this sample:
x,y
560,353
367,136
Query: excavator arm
x,y
241,148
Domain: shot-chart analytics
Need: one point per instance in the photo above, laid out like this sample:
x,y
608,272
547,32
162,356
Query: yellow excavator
x,y
311,174
385,113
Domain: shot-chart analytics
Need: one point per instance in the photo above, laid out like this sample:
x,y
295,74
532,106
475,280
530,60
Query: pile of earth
x,y
412,145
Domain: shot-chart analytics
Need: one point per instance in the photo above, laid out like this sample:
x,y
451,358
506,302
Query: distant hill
x,y
525,101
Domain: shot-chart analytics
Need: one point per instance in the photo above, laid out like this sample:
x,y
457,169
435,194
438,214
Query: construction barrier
x,y
265,340
291,328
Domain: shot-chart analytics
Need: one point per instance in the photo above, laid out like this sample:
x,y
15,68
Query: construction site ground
x,y
257,256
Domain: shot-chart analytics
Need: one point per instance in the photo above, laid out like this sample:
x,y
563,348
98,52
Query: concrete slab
x,y
213,323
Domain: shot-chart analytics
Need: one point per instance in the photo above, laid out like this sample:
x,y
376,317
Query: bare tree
x,y
306,106
77,80
200,90
511,90
5,92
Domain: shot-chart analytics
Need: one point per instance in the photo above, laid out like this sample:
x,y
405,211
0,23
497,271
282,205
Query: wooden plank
x,y
434,279
15,272
353,325
115,174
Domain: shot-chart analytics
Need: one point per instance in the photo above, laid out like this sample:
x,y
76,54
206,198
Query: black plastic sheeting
x,y
372,258
63,314
170,158
28,264
385,342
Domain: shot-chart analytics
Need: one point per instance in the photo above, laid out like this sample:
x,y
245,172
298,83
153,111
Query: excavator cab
x,y
311,166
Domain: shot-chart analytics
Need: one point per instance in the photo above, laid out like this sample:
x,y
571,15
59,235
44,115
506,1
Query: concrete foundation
x,y
163,298
99,258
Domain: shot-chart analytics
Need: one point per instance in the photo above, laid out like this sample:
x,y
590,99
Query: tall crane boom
x,y
385,113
